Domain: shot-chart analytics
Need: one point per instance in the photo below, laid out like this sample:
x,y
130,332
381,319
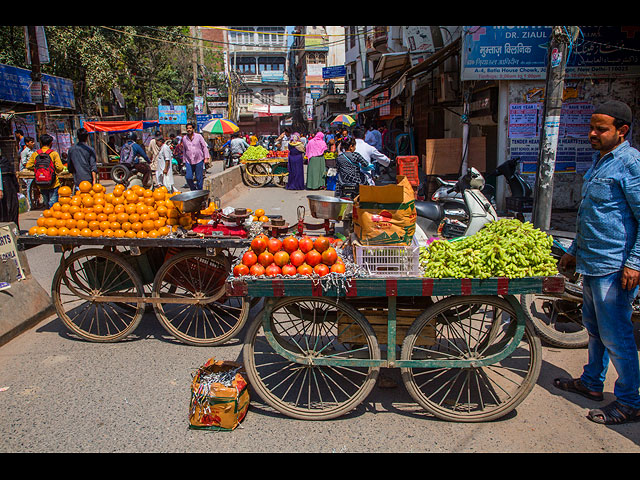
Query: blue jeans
x,y
606,314
194,175
49,196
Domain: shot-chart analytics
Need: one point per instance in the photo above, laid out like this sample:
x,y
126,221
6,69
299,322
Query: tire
x,y
120,174
557,321
483,388
303,389
90,275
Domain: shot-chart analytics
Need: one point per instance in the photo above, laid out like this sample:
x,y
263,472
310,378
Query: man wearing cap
x,y
606,252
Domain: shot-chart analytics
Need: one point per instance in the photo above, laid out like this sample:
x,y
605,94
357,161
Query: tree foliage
x,y
146,63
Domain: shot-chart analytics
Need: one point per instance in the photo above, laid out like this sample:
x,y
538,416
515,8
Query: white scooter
x,y
432,220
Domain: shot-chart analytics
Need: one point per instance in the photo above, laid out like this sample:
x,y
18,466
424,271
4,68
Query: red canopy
x,y
118,126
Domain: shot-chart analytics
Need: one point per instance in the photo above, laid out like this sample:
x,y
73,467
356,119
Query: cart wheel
x,y
290,378
120,174
81,288
481,391
259,173
35,197
281,175
557,321
207,317
248,180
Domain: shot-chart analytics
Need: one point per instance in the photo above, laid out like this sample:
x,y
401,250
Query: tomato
x,y
329,256
305,269
290,244
313,258
281,258
297,258
337,268
305,244
249,258
289,269
273,270
321,244
258,245
321,269
265,259
240,269
257,270
274,245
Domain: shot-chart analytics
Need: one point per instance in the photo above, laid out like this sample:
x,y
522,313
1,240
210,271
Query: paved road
x,y
66,395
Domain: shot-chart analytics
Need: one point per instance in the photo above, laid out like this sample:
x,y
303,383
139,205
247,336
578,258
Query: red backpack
x,y
44,169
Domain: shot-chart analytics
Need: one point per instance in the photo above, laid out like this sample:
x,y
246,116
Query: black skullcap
x,y
615,109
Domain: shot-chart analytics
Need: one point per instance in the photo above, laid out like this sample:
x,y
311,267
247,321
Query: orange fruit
x,y
118,200
64,191
107,233
130,234
153,234
79,215
33,230
71,223
50,222
94,225
136,226
60,223
158,195
87,201
259,212
141,234
134,217
96,233
85,232
159,223
47,213
56,214
82,224
120,208
74,232
114,226
97,188
64,201
108,208
108,197
122,217
112,217
141,208
119,233
40,221
144,216
263,219
63,231
173,213
131,197
52,231
102,217
148,225
85,186
91,216
162,231
126,226
56,206
162,211
42,231
104,225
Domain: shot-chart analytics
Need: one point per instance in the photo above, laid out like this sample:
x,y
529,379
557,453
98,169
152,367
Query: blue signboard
x,y
334,72
172,115
521,53
15,87
203,118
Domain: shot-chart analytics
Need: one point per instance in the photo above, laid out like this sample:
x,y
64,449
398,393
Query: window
x,y
245,65
271,36
241,35
270,64
268,95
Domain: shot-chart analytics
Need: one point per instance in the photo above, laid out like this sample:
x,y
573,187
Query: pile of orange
x,y
259,216
124,213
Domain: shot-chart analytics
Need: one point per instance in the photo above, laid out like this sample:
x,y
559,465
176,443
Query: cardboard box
x,y
444,155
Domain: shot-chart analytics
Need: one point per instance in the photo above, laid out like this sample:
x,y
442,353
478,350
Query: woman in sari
x,y
295,164
317,169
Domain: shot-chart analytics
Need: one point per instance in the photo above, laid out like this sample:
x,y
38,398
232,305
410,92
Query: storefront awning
x,y
391,63
115,126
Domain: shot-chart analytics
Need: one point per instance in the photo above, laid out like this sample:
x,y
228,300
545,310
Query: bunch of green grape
x,y
505,248
255,153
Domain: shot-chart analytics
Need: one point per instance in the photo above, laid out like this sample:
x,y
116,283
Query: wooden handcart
x,y
103,286
464,349
258,173
30,190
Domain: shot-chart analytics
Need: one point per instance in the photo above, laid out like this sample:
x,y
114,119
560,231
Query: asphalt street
x,y
60,394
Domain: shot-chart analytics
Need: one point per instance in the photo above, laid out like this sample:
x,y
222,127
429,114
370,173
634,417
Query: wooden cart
x,y
464,348
258,173
103,285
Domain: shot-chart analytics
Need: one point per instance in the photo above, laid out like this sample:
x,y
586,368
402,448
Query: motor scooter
x,y
433,219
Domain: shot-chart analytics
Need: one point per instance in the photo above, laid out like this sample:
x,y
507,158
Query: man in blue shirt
x,y
606,252
136,163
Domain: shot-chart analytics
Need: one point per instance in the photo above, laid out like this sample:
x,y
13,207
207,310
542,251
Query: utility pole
x,y
560,39
36,80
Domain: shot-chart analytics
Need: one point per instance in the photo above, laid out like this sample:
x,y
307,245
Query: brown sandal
x,y
575,385
614,414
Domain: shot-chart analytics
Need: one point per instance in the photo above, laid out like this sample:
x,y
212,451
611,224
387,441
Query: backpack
x,y
44,170
126,153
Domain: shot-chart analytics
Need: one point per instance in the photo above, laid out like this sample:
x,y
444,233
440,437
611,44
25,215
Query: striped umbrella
x,y
220,125
344,120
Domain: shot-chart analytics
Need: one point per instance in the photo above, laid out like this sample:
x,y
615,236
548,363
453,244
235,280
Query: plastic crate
x,y
408,166
388,260
519,204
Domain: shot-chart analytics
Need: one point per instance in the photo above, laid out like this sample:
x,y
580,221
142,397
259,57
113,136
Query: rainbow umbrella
x,y
220,125
344,120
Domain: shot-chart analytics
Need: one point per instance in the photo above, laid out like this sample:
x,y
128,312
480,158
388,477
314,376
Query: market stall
x,y
447,314
132,248
262,167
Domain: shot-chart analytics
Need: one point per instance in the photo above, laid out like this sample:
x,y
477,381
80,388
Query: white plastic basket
x,y
388,260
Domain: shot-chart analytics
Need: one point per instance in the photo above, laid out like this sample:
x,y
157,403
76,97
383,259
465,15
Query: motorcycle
x,y
127,175
456,219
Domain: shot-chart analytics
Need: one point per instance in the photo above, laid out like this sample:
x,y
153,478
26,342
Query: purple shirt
x,y
196,149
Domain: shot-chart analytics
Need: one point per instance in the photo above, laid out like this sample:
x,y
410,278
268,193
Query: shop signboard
x,y
16,87
172,115
521,52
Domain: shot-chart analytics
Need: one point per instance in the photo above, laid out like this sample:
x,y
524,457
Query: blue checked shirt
x,y
607,224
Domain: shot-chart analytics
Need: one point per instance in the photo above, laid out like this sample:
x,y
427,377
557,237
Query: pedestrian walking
x,y
152,152
195,155
46,165
295,164
317,169
370,153
9,188
606,252
164,164
82,160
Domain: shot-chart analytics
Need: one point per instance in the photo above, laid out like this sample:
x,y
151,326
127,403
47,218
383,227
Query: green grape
x,y
505,248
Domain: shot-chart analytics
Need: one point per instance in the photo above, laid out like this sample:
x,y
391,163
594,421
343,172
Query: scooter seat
x,y
431,210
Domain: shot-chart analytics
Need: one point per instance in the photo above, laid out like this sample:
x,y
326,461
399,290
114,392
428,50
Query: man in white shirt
x,y
164,173
369,152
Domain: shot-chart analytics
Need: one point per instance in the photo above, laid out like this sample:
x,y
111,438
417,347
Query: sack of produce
x,y
219,396
385,215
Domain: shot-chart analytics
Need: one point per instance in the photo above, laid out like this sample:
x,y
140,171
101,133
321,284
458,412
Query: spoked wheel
x,y
120,174
36,199
558,321
322,366
194,307
259,173
478,366
98,295
280,175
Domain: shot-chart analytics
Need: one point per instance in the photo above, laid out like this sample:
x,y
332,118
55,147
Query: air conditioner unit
x,y
446,88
